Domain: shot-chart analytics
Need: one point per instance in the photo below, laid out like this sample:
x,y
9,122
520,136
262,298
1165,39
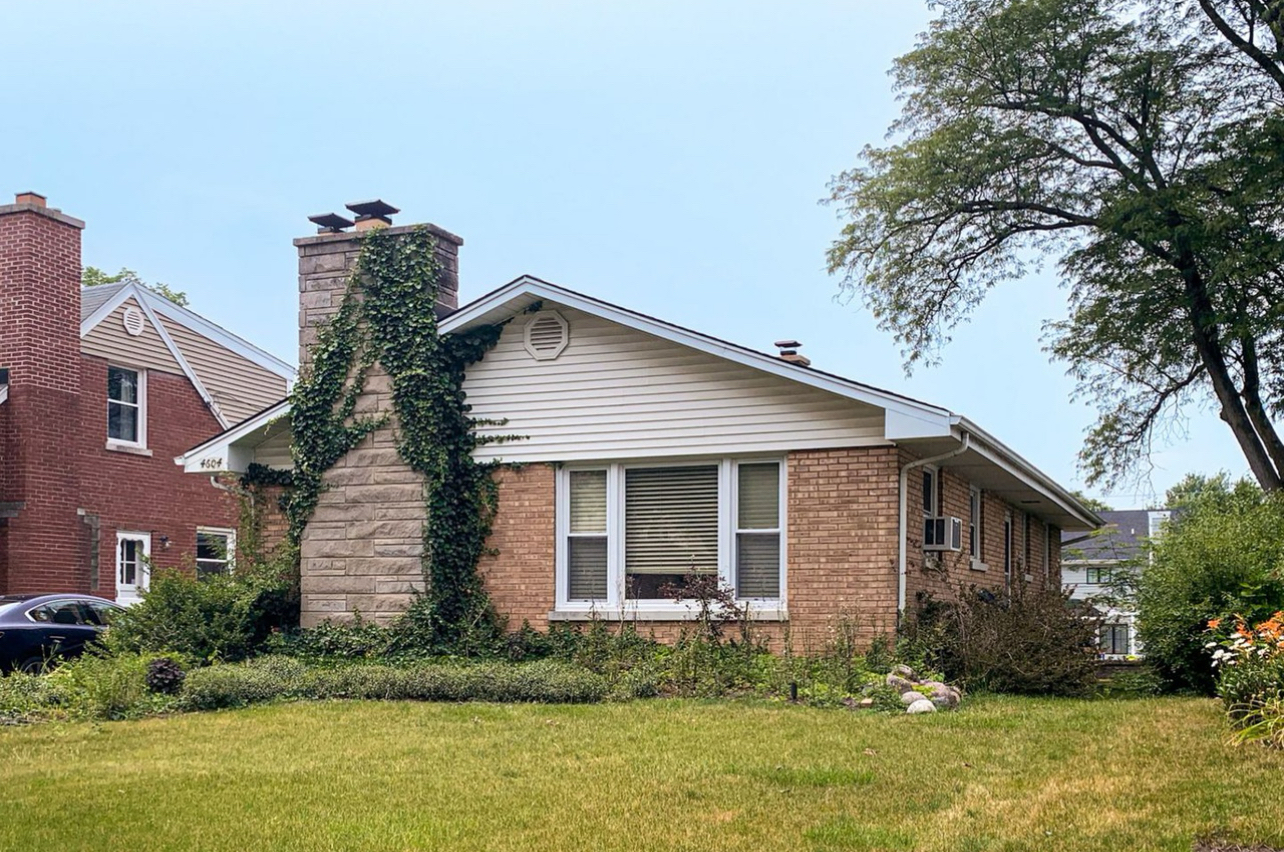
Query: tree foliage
x,y
1140,143
1220,556
92,276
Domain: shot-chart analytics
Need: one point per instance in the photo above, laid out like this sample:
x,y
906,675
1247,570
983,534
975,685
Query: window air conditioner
x,y
943,534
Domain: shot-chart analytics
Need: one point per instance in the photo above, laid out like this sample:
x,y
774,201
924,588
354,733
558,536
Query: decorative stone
x,y
912,696
904,671
865,703
900,684
921,706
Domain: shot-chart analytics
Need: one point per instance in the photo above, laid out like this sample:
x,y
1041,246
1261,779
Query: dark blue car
x,y
36,629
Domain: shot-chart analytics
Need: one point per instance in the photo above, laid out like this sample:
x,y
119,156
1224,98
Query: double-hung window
x,y
126,406
974,524
214,551
634,534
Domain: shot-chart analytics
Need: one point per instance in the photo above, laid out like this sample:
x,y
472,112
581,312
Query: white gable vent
x,y
546,335
133,320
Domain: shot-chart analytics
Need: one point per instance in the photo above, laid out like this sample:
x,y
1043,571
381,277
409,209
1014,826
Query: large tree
x,y
1141,144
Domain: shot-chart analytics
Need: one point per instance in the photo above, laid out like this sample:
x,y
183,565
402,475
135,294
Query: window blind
x,y
671,520
758,508
586,546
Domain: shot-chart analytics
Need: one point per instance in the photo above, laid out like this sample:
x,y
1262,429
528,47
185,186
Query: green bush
x,y
214,618
25,698
334,642
281,677
1033,641
1220,556
1250,686
99,686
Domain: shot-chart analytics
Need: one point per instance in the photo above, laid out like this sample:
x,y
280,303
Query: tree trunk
x,y
1213,355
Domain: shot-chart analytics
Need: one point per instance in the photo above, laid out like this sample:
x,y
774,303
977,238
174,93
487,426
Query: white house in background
x,y
1090,563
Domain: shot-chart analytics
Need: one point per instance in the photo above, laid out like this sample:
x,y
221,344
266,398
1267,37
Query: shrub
x,y
221,617
1220,556
164,676
280,677
1250,682
331,642
25,698
100,686
222,686
1033,641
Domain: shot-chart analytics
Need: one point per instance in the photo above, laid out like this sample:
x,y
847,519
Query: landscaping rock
x,y
904,671
865,703
912,696
921,706
899,683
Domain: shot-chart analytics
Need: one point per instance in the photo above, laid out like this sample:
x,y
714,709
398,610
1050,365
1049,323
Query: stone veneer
x,y
361,550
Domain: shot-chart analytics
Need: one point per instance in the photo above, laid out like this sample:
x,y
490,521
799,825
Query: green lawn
x,y
1000,774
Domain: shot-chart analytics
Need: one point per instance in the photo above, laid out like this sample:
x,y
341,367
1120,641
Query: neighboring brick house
x,y
649,449
1092,566
100,388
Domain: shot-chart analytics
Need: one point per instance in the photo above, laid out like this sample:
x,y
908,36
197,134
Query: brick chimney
x,y
40,418
326,261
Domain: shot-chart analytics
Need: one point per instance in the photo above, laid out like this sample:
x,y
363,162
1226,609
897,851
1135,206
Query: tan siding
x,y
620,393
109,340
239,386
275,451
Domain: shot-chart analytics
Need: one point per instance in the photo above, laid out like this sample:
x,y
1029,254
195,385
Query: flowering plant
x,y
1245,643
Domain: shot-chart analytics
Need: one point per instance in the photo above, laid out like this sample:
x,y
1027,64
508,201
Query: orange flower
x,y
1214,623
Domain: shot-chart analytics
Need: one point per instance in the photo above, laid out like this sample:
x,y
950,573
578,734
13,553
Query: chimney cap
x,y
375,207
329,223
29,198
787,344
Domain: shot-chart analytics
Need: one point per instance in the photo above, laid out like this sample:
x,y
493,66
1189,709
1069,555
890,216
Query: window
x,y
1047,549
215,549
631,533
1007,549
1098,575
1028,564
1114,639
929,492
58,612
974,524
126,412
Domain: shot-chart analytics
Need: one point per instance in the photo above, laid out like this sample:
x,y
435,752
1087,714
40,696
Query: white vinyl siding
x,y
620,393
239,386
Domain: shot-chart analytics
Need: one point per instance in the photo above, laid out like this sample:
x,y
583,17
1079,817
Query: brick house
x,y
100,388
651,449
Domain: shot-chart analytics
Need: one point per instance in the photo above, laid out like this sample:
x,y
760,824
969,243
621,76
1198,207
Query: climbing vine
x,y
389,316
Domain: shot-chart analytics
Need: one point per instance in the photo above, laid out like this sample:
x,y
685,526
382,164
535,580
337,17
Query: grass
x,y
1001,774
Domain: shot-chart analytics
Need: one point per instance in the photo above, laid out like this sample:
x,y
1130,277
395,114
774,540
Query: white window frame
x,y
976,528
131,593
229,564
141,406
1047,550
935,510
615,603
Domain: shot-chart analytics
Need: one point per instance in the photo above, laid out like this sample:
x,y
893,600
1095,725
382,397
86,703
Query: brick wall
x,y
74,493
520,575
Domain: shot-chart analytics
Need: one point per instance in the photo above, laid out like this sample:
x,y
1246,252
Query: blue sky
x,y
666,156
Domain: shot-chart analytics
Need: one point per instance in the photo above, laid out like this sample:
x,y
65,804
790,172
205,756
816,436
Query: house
x,y
648,448
99,389
1094,570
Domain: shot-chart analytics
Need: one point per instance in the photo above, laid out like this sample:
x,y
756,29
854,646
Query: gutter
x,y
963,447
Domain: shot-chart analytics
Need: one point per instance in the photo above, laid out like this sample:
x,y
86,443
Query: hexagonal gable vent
x,y
546,335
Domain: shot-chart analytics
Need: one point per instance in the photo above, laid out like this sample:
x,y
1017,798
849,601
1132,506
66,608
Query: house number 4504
x,y
212,464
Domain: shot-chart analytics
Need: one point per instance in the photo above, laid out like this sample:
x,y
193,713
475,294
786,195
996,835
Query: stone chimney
x,y
361,550
326,261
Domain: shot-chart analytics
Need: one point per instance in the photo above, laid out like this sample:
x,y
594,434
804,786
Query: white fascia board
x,y
220,446
107,308
902,425
1000,454
219,335
909,408
182,362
